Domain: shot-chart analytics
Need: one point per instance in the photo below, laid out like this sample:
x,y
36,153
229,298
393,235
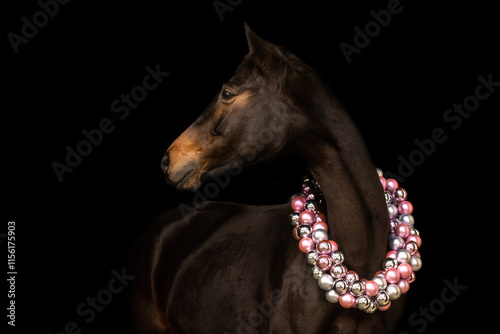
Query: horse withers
x,y
232,268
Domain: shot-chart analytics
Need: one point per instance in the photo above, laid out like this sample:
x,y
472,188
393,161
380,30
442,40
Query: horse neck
x,y
356,211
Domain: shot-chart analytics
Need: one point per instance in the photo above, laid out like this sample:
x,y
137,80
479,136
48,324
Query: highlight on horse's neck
x,y
338,159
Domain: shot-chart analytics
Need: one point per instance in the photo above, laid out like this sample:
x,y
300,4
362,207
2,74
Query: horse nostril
x,y
165,162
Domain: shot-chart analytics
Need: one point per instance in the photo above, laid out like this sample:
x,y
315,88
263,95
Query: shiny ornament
x,y
405,270
411,246
389,263
338,256
400,195
338,270
357,288
304,231
312,255
306,244
324,262
340,286
311,205
405,208
388,197
403,256
416,263
384,308
372,308
294,218
319,235
347,300
392,210
404,286
402,230
392,275
416,238
412,278
407,219
307,218
316,272
383,182
393,291
394,242
298,203
371,288
383,298
380,280
351,276
325,282
324,247
332,296
320,225
392,185
363,303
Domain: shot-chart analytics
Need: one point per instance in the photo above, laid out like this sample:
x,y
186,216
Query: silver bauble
x,y
312,256
403,256
363,303
357,288
325,282
393,291
340,286
383,298
394,242
319,235
304,231
380,280
407,219
416,263
332,296
316,272
338,256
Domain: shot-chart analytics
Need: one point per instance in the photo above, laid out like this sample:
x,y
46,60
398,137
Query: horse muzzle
x,y
181,175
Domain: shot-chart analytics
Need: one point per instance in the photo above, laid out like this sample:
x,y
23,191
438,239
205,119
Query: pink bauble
x,y
306,244
335,246
324,262
298,203
306,218
321,217
324,247
392,275
371,288
416,238
384,308
321,225
347,300
405,207
383,181
392,185
404,286
391,254
405,270
402,230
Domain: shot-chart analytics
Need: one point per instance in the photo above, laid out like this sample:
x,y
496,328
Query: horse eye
x,y
227,95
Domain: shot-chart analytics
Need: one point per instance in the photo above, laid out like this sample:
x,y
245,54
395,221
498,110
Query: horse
x,y
220,267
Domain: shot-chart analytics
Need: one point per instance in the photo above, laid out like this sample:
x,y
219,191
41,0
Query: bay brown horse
x,y
232,268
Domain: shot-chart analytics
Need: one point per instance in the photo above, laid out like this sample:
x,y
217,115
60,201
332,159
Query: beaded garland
x,y
342,285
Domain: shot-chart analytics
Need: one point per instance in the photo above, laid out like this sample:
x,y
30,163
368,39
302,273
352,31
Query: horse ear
x,y
256,44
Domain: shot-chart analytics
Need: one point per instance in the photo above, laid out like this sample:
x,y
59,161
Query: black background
x,y
71,234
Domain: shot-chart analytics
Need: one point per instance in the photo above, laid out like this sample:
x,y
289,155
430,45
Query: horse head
x,y
251,120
